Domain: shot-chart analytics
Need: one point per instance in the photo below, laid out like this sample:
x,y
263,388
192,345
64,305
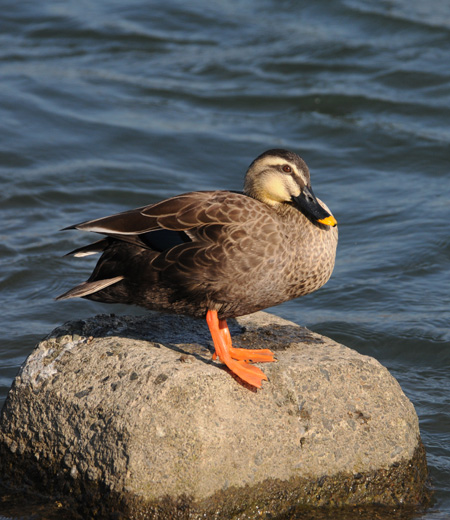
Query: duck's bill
x,y
308,204
328,221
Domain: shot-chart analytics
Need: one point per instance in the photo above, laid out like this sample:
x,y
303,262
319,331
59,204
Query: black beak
x,y
309,205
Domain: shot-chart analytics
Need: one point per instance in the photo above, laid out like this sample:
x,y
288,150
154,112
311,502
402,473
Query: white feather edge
x,y
87,288
80,255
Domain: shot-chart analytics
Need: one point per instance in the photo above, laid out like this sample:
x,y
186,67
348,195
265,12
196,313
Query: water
x,y
111,105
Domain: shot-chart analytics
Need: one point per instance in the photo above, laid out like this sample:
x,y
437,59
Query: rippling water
x,y
106,106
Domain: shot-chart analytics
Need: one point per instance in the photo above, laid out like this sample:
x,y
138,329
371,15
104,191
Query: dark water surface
x,y
110,105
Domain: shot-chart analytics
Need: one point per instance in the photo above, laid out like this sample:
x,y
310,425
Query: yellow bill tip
x,y
328,221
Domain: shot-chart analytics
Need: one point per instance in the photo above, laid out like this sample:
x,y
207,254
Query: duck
x,y
218,254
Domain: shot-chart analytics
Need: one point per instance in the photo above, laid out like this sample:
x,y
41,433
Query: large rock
x,y
131,414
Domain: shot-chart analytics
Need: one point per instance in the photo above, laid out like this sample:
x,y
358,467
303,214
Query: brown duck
x,y
218,254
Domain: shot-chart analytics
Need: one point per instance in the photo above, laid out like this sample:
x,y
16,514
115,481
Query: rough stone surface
x,y
133,410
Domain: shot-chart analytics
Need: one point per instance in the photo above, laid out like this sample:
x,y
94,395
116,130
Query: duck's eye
x,y
287,169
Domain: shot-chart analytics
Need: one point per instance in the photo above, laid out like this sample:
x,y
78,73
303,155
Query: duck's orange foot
x,y
236,359
247,372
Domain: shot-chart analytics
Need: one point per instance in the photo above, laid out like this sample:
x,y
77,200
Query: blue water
x,y
110,105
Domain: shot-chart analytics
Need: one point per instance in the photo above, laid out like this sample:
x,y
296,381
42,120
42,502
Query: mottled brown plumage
x,y
234,253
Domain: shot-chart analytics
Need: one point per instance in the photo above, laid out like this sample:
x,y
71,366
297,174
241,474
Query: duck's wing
x,y
199,243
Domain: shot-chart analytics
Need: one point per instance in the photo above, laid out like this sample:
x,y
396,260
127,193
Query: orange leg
x,y
236,359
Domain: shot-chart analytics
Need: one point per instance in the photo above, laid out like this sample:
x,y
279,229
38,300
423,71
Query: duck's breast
x,y
311,250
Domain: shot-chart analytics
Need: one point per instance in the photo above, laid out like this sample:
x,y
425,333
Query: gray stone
x,y
133,413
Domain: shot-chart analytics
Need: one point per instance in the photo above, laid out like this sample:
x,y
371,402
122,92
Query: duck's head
x,y
279,177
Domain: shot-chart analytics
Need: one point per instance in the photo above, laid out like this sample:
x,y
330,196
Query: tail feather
x,y
86,288
91,249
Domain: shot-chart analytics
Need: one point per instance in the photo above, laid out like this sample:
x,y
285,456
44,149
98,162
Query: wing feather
x,y
86,288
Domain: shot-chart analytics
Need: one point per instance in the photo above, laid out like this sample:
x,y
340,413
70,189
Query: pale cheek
x,y
293,188
276,191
